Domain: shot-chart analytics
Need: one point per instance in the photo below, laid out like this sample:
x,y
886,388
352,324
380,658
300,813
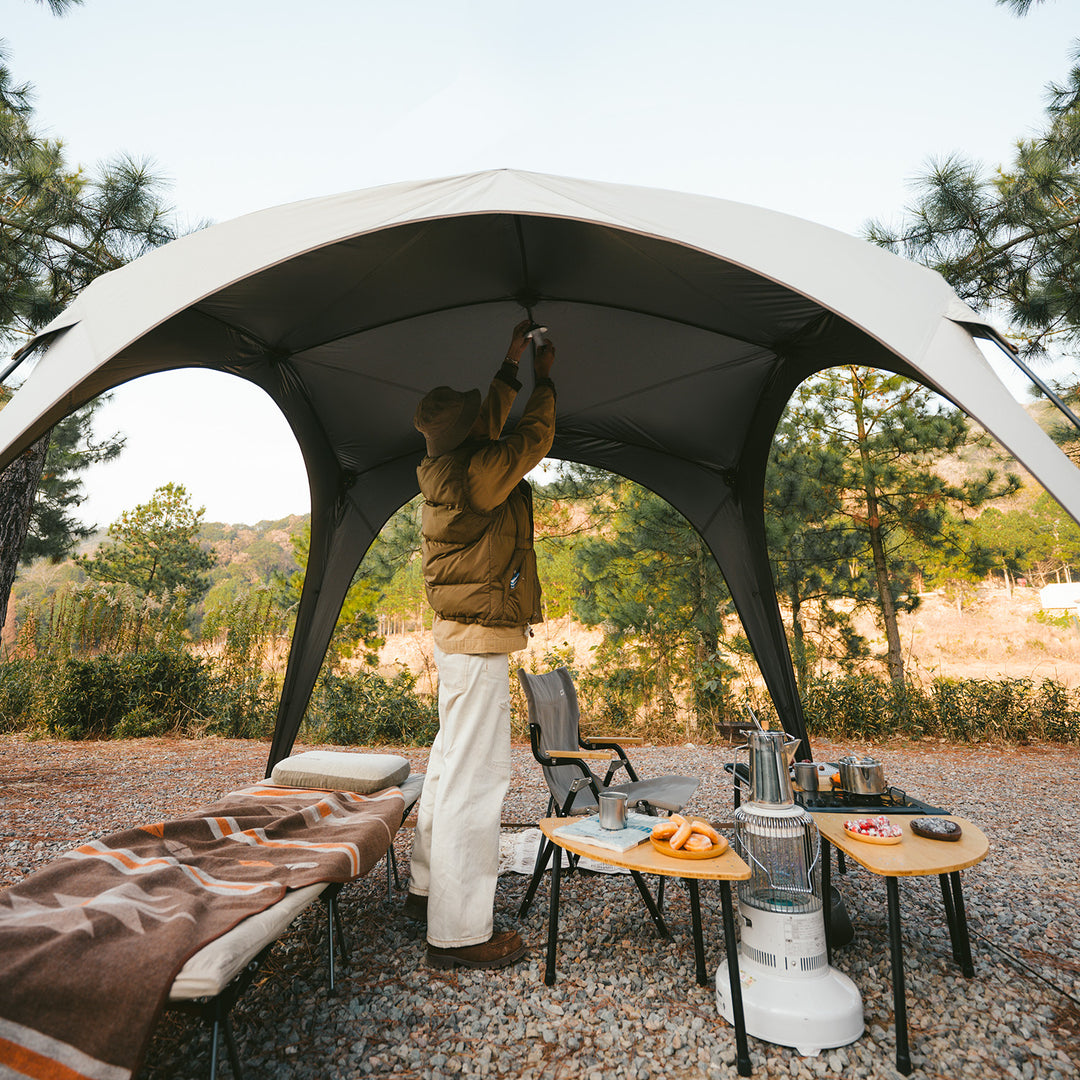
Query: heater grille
x,y
782,850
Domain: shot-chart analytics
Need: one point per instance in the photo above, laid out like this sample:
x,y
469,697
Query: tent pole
x,y
1040,383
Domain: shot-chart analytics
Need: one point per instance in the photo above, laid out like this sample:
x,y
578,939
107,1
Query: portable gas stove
x,y
894,801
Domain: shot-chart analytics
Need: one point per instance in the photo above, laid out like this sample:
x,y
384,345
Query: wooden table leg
x,y
742,1050
950,914
553,916
896,948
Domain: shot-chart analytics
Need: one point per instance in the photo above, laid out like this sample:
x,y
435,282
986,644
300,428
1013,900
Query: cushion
x,y
341,771
215,965
412,788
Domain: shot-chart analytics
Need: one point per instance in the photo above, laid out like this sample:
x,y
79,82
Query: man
x,y
481,581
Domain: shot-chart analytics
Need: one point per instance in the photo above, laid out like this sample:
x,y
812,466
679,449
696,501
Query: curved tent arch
x,y
684,323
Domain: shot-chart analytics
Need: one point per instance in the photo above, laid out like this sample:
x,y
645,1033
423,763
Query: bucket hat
x,y
444,417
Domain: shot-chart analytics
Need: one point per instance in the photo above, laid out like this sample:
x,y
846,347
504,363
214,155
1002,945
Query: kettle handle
x,y
753,717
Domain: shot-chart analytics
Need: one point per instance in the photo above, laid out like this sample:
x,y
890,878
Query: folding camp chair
x,y
554,729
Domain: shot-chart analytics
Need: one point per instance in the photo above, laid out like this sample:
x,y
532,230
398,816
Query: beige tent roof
x,y
683,325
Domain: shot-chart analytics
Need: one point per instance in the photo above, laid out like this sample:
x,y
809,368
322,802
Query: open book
x,y
637,830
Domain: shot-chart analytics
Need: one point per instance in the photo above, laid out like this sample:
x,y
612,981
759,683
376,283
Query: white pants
x,y
455,854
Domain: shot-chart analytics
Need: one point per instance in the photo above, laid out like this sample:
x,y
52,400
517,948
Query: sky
x,y
827,111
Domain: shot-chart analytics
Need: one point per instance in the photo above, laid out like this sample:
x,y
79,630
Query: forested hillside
x,y
921,565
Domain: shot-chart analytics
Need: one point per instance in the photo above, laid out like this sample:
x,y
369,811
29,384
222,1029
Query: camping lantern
x,y
791,995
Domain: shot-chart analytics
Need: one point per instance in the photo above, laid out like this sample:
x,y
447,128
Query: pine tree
x,y
60,227
54,529
1008,241
890,431
60,7
1021,7
357,625
814,550
654,586
155,548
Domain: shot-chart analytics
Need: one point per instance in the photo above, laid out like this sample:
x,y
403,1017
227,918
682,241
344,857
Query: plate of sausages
x,y
687,838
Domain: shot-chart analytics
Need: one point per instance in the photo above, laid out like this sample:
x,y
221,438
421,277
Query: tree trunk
x,y
798,639
18,486
895,652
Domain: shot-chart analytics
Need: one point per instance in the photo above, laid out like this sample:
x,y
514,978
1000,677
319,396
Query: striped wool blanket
x,y
91,943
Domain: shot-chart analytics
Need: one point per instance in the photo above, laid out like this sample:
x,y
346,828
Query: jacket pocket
x,y
522,590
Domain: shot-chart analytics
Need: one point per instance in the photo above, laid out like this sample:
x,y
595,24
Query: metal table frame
x,y
644,859
923,857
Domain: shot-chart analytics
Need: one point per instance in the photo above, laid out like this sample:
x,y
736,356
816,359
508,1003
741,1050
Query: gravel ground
x,y
626,1003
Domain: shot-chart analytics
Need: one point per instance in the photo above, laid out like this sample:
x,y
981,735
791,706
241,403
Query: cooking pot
x,y
806,775
862,776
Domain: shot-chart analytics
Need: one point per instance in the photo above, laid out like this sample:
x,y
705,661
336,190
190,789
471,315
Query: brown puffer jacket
x,y
478,567
477,519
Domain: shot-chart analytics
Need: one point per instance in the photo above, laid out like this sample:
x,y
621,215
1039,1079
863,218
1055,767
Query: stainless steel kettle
x,y
771,753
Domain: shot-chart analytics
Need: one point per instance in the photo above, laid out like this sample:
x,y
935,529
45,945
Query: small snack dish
x,y
874,830
665,848
683,838
935,828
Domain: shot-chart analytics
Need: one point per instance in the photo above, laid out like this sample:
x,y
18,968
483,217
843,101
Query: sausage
x,y
682,834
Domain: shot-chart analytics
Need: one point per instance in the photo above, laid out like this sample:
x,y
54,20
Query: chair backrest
x,y
553,710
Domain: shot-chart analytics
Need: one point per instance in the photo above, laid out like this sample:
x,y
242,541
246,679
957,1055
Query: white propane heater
x,y
790,994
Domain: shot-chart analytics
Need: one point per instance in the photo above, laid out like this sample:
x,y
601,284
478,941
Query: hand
x,y
545,357
519,341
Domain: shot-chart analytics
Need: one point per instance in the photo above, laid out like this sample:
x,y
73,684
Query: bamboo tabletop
x,y
647,860
914,855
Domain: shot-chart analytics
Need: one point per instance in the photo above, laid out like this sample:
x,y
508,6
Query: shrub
x,y
159,688
239,708
22,683
850,706
959,710
367,710
140,723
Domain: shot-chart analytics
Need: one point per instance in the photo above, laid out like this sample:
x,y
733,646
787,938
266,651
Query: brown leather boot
x,y
502,948
415,907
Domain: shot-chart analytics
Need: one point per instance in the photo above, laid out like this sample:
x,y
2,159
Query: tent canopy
x,y
683,325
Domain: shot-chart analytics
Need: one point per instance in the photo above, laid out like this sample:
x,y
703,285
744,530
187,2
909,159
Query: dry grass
x,y
414,651
996,636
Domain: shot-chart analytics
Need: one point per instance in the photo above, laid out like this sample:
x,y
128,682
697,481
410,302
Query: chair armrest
x,y
614,743
618,740
586,755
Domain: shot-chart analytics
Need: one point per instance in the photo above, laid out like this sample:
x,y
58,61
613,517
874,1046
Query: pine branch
x,y
48,234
